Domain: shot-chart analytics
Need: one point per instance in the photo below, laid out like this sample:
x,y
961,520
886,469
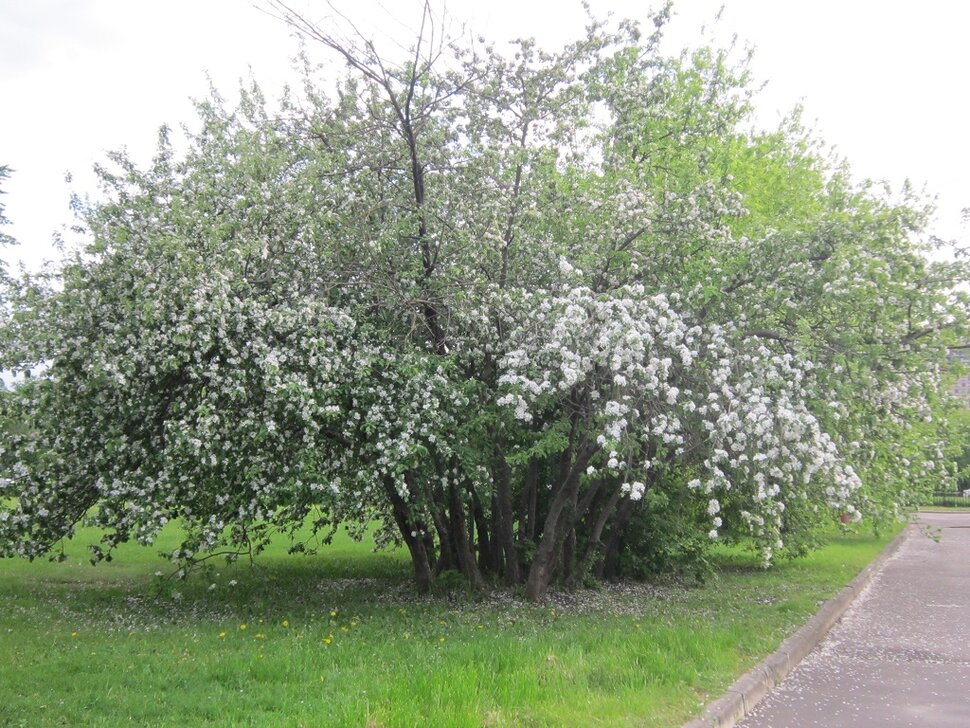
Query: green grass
x,y
341,639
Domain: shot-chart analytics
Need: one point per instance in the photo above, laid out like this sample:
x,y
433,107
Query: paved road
x,y
900,656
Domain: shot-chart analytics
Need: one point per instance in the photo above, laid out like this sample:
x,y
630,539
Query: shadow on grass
x,y
139,587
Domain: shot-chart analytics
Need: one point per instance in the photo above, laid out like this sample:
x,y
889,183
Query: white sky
x,y
886,82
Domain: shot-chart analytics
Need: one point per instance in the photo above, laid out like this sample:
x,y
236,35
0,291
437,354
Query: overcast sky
x,y
887,83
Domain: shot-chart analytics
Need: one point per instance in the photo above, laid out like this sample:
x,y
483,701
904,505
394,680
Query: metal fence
x,y
951,498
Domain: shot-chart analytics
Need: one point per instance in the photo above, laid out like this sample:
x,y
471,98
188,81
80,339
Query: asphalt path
x,y
900,656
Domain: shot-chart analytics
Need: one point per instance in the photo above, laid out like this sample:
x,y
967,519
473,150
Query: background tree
x,y
5,239
517,307
4,174
5,281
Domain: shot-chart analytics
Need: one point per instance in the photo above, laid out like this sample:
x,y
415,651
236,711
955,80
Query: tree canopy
x,y
515,306
5,239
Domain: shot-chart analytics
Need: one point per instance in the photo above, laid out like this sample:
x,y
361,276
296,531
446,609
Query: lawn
x,y
341,639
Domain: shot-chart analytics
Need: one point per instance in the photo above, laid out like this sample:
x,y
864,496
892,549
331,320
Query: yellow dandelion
x,y
243,626
222,635
345,628
441,639
333,613
286,623
260,636
328,639
73,634
354,623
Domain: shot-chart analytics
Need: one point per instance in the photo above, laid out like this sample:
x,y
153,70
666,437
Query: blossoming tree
x,y
494,301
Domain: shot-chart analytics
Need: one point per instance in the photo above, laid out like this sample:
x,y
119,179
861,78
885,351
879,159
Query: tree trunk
x,y
593,547
556,526
448,558
414,537
485,547
570,572
466,560
607,568
503,531
527,508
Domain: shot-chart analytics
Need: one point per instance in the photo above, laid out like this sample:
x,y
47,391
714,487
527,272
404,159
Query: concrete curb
x,y
748,690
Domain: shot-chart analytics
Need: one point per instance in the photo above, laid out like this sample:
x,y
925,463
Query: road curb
x,y
748,690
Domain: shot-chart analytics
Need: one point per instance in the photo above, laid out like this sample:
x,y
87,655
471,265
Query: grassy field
x,y
340,639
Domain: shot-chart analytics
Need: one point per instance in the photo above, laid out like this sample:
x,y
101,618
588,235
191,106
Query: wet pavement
x,y
900,656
